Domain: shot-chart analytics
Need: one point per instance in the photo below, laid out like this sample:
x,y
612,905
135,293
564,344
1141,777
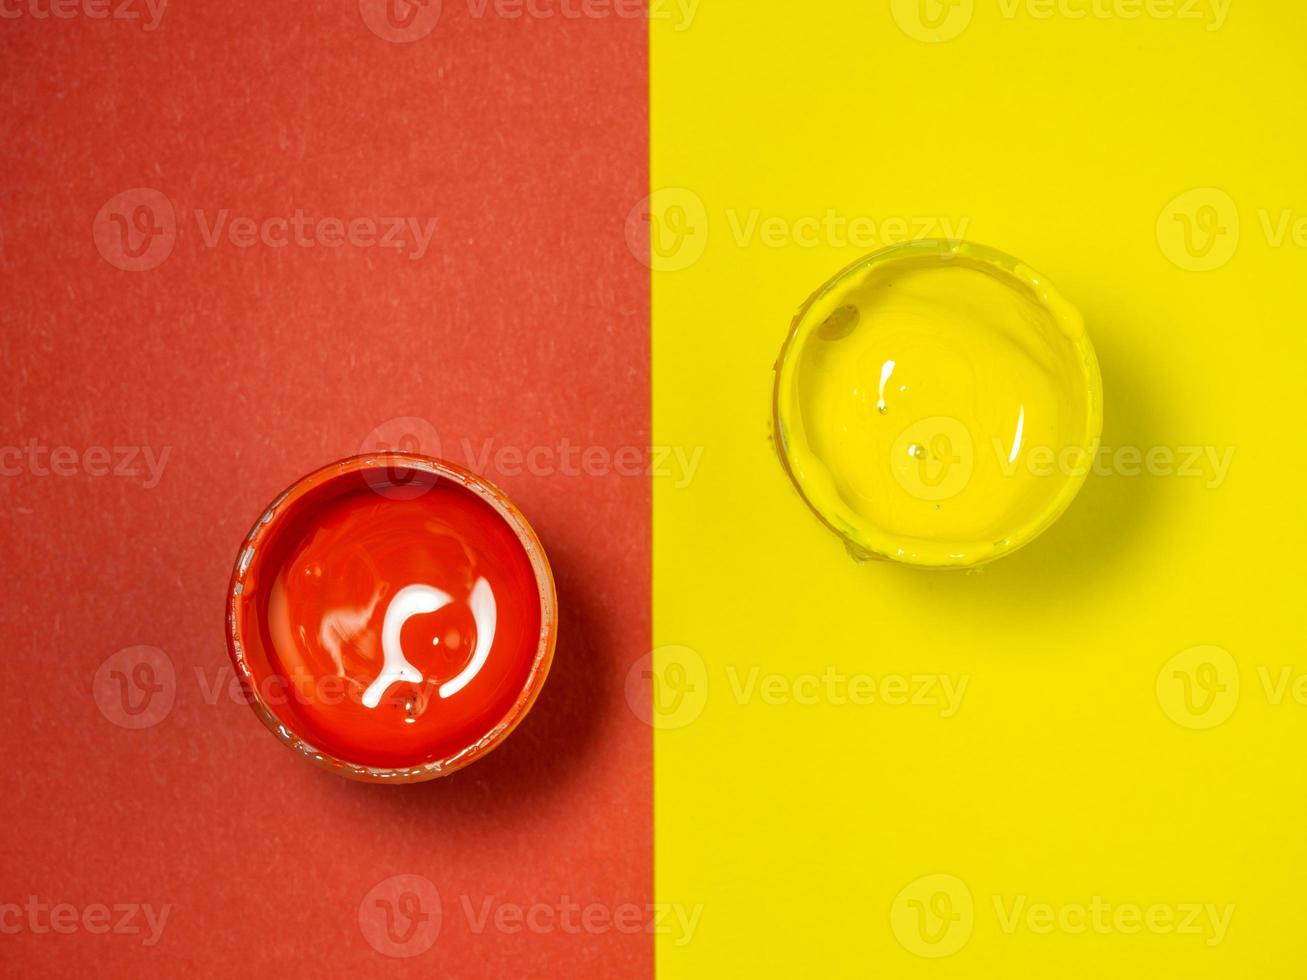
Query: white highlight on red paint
x,y
486,615
408,602
413,600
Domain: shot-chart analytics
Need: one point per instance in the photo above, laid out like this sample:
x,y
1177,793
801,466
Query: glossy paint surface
x,y
938,403
389,616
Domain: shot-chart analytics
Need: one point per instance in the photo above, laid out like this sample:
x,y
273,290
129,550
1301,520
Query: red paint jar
x,y
391,617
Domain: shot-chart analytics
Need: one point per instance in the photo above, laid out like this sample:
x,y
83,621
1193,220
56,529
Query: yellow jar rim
x,y
865,540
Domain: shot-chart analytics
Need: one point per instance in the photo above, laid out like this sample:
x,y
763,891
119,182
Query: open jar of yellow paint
x,y
937,403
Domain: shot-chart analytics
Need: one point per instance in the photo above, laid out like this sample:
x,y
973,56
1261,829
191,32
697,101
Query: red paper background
x,y
525,324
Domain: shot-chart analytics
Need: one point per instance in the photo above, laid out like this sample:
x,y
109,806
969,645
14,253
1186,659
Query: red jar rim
x,y
284,505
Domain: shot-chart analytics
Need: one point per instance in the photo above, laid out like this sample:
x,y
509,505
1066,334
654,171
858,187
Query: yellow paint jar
x,y
937,403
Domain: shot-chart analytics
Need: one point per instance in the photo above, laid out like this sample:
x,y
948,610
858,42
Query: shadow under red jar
x,y
392,617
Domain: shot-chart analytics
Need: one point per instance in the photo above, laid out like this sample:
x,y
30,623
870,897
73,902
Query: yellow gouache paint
x,y
937,403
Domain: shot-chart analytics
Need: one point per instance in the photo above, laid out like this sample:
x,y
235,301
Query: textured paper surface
x,y
522,325
1129,731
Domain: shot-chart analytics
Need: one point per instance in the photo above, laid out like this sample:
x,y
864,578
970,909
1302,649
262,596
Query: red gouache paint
x,y
392,617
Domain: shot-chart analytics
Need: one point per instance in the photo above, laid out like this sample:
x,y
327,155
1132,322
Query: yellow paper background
x,y
1074,769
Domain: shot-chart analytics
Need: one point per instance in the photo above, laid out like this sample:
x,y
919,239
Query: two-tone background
x,y
559,241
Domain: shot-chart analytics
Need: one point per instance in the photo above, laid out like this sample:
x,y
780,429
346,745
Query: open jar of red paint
x,y
392,617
